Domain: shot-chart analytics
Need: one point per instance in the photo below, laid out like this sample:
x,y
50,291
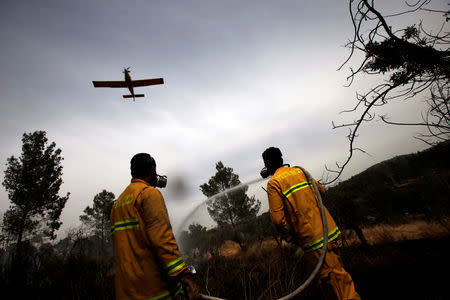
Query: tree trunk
x,y
18,268
18,255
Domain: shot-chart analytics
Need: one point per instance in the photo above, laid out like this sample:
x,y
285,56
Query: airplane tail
x,y
135,95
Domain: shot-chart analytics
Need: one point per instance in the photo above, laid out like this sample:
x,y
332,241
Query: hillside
x,y
411,184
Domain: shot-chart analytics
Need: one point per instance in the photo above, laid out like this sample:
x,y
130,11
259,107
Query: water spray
x,y
232,189
324,223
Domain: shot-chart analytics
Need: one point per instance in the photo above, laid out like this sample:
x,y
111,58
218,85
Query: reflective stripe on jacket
x,y
293,207
145,251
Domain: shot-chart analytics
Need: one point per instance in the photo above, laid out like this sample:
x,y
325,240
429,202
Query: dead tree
x,y
411,61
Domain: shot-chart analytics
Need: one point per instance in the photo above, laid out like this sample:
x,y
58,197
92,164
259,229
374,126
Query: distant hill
x,y
411,184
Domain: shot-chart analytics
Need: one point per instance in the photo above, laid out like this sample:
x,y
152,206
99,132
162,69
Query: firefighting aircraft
x,y
128,83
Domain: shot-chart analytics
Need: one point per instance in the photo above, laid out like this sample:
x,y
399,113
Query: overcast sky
x,y
240,76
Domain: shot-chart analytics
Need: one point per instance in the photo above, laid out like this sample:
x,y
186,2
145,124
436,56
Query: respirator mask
x,y
159,181
265,173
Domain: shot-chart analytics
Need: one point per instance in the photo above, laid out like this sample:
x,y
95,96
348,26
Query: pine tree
x,y
96,217
231,208
33,182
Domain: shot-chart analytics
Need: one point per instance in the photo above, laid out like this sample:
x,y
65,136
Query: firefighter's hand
x,y
190,288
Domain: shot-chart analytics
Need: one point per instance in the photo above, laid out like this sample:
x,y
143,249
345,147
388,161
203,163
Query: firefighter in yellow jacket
x,y
148,262
295,213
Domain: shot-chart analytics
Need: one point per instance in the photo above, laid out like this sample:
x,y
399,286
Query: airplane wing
x,y
110,84
144,82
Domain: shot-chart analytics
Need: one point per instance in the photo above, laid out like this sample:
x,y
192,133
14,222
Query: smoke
x,y
177,187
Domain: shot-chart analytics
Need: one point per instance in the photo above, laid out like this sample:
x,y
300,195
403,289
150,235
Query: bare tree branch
x,y
411,64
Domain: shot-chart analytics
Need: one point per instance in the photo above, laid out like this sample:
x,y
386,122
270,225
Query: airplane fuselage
x,y
129,82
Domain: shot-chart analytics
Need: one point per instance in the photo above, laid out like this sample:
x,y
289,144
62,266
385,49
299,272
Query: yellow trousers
x,y
334,281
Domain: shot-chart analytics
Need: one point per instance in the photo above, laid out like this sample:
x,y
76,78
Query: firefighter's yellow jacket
x,y
145,251
293,207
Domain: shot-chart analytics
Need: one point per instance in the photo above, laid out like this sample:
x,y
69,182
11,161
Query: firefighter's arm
x,y
160,234
276,208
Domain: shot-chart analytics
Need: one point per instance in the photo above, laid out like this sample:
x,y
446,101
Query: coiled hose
x,y
324,248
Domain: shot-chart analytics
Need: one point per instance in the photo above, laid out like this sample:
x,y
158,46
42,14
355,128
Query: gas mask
x,y
265,173
159,181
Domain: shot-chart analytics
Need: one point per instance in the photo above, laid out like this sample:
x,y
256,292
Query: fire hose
x,y
324,248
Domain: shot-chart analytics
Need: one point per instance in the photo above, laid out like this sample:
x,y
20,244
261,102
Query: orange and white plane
x,y
128,83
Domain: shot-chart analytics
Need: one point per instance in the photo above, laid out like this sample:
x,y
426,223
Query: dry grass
x,y
229,248
262,272
232,249
378,234
413,230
